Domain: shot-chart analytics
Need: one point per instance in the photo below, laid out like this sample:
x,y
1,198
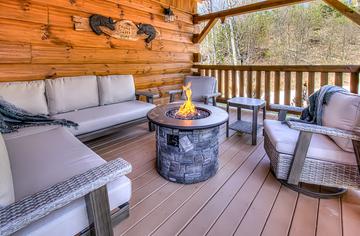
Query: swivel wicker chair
x,y
327,155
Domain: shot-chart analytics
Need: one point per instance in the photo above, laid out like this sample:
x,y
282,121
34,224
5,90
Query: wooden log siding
x,y
272,89
38,41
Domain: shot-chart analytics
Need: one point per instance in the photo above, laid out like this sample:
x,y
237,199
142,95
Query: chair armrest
x,y
279,107
317,129
176,91
284,109
149,96
211,95
32,208
172,94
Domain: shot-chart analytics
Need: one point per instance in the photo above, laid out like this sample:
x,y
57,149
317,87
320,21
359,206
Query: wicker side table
x,y
245,126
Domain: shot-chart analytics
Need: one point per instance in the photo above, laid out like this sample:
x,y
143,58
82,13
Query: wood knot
x,y
25,5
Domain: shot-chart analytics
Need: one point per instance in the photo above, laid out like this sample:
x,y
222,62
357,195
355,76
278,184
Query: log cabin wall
x,y
38,41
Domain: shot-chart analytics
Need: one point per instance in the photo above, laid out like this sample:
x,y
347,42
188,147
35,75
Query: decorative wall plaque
x,y
122,29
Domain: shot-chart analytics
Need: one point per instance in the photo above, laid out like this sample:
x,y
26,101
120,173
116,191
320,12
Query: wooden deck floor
x,y
243,198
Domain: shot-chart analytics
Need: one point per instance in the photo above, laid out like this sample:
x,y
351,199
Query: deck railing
x,y
288,85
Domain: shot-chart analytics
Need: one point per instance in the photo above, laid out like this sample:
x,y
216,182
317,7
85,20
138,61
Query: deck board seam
x,y
155,207
233,141
234,156
247,158
249,176
252,201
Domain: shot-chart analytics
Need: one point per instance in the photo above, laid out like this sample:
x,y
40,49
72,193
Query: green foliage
x,y
302,34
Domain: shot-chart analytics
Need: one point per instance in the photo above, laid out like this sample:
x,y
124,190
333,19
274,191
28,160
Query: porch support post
x,y
200,37
254,7
98,210
345,10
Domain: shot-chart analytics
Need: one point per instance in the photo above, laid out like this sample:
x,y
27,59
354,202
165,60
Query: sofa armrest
x,y
317,129
284,109
32,208
149,96
172,94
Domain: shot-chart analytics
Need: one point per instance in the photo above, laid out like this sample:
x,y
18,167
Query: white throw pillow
x,y
71,93
6,182
116,88
343,112
29,96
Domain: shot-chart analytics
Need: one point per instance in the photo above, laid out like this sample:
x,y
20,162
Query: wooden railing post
x,y
241,83
226,87
339,79
311,83
221,83
277,88
258,84
287,88
324,78
354,82
233,83
299,89
267,88
249,84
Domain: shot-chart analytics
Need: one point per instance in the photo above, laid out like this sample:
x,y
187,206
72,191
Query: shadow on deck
x,y
243,198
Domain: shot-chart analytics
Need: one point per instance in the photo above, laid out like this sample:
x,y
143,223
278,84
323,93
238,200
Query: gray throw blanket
x,y
313,113
13,118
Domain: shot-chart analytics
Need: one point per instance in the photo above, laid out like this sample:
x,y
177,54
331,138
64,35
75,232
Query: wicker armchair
x,y
91,185
204,89
306,153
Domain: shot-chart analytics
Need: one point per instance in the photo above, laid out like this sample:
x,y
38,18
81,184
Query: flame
x,y
187,108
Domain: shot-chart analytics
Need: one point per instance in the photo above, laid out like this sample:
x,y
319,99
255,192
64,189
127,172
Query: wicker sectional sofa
x,y
53,173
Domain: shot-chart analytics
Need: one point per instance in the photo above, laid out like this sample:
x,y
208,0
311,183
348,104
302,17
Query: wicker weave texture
x,y
314,171
317,129
34,207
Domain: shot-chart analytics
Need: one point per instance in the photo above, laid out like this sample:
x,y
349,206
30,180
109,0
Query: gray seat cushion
x,y
200,86
96,118
40,160
321,147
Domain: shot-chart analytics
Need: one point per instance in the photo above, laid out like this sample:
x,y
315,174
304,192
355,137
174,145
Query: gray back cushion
x,y
116,88
71,93
343,112
29,96
200,86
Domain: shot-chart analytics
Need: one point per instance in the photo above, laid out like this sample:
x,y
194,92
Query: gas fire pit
x,y
187,144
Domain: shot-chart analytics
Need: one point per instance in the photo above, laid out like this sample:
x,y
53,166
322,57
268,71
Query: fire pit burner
x,y
200,113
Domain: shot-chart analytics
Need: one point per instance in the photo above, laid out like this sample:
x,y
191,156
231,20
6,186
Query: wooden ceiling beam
x,y
259,6
200,37
345,10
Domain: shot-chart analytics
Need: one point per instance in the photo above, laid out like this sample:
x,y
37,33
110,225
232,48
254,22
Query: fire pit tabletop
x,y
159,116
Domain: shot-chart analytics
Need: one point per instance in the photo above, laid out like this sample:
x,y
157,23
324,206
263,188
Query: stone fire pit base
x,y
187,156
